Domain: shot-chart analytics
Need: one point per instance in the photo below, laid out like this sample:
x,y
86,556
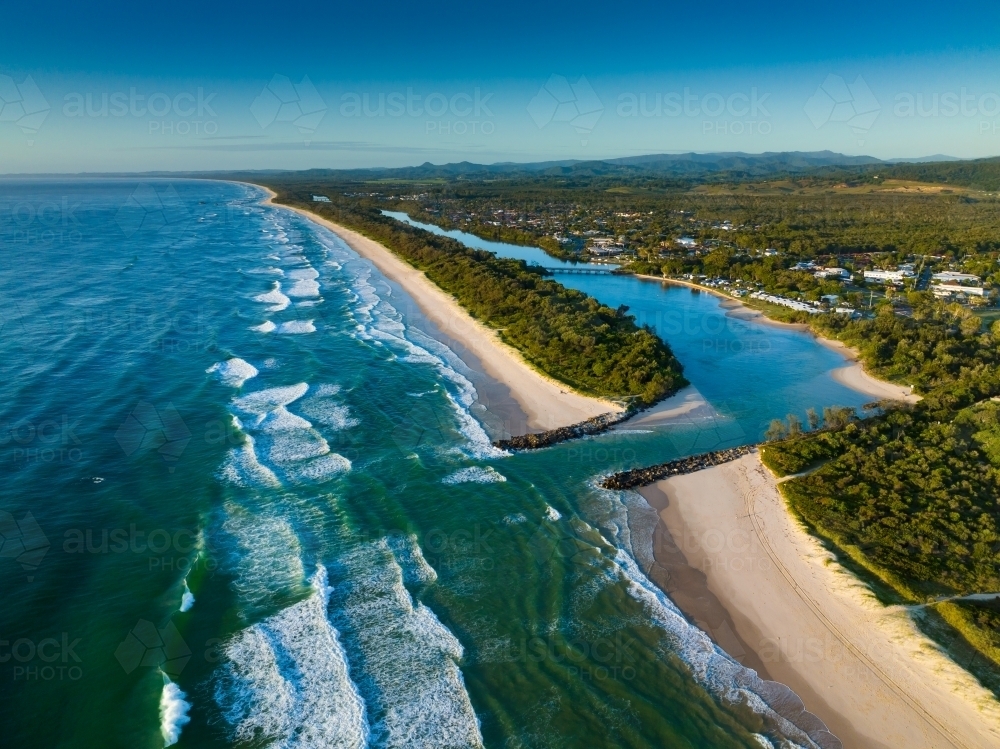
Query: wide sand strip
x,y
863,668
548,404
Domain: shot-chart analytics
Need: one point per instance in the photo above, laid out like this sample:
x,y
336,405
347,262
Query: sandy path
x,y
863,668
548,404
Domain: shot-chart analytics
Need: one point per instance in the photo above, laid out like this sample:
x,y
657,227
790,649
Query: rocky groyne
x,y
586,428
643,476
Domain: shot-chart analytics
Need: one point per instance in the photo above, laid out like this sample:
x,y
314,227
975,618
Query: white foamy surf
x,y
280,445
242,467
305,282
407,660
260,402
325,408
474,475
187,598
287,681
274,298
173,711
268,271
296,327
265,327
233,372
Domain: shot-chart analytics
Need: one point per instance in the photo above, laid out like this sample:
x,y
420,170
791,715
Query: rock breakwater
x,y
643,476
586,428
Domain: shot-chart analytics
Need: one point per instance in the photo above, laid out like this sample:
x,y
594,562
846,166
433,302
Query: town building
x,y
947,289
952,277
888,276
785,302
837,274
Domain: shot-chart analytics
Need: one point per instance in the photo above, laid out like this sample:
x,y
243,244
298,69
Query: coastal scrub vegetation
x,y
913,493
562,332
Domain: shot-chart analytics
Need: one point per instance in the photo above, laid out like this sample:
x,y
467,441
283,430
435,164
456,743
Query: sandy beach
x,y
546,403
734,559
854,376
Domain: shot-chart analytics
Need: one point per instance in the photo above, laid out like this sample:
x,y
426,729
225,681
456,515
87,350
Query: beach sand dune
x,y
547,403
734,559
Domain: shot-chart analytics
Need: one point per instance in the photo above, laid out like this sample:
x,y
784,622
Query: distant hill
x,y
981,174
736,166
684,165
924,159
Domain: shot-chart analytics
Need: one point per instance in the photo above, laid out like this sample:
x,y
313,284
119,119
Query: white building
x,y
947,289
952,277
687,242
604,246
840,274
793,303
888,276
320,199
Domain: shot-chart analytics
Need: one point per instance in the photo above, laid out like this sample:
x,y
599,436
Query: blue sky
x,y
132,87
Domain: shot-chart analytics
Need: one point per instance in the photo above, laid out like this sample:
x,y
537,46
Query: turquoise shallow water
x,y
245,501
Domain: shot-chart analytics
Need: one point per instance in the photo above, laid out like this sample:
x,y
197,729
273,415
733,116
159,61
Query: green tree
x,y
776,431
812,418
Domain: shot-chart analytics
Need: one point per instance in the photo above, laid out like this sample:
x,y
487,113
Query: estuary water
x,y
248,500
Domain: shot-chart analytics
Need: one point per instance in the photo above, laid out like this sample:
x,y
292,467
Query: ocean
x,y
250,498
